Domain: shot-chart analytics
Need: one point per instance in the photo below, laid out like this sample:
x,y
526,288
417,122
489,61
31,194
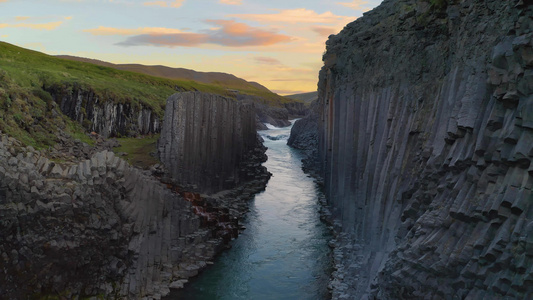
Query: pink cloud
x,y
226,33
166,40
299,15
239,34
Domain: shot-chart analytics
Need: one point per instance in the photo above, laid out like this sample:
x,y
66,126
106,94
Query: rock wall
x,y
425,146
205,139
277,116
101,228
110,119
304,133
102,115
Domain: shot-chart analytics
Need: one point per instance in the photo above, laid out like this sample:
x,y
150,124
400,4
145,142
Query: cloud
x,y
231,2
42,26
225,33
267,60
21,18
324,31
239,34
166,40
356,4
293,16
3,1
175,3
101,30
4,35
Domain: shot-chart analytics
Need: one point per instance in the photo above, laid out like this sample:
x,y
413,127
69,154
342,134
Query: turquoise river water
x,y
283,253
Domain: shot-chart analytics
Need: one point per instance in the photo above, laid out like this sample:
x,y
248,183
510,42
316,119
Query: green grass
x,y
139,150
33,120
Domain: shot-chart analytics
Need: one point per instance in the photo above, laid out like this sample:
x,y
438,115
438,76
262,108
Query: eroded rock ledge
x,y
425,146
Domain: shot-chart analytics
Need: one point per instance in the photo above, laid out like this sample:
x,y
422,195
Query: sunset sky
x,y
278,43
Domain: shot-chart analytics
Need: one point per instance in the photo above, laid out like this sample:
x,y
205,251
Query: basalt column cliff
x,y
208,141
425,146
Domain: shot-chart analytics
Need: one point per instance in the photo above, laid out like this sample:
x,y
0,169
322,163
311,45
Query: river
x,y
283,252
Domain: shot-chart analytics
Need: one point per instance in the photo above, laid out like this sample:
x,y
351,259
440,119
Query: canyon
x,y
421,138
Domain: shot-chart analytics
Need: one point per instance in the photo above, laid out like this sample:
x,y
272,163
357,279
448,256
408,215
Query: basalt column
x,y
205,139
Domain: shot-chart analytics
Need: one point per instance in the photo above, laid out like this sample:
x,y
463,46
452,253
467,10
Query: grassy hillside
x,y
28,112
214,82
221,79
305,97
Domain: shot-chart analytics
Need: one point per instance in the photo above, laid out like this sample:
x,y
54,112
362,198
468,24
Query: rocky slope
x,y
425,146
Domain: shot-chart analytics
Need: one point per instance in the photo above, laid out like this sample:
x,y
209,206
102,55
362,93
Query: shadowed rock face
x,y
104,116
99,227
96,227
425,145
304,133
205,139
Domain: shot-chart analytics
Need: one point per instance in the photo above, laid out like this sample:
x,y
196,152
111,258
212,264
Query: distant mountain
x,y
222,79
305,97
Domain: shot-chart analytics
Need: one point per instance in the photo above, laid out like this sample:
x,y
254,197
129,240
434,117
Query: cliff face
x,y
425,146
205,139
104,116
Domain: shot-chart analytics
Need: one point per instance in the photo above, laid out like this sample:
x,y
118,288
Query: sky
x,y
278,43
